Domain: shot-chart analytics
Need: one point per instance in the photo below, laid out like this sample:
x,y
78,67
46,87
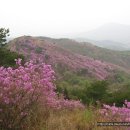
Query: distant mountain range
x,y
112,36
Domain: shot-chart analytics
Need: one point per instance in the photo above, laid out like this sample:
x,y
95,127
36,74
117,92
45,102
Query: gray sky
x,y
59,18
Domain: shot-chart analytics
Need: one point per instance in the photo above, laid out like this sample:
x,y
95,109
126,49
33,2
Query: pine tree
x,y
3,35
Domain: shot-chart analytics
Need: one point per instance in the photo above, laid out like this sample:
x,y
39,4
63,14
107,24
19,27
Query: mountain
x,y
44,50
112,45
120,58
112,36
117,46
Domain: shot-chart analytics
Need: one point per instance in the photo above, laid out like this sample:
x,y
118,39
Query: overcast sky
x,y
60,17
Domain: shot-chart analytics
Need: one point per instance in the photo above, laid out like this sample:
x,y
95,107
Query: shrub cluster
x,y
121,114
24,88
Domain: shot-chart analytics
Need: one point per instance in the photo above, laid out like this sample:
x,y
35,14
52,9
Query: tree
x,y
3,35
6,56
97,90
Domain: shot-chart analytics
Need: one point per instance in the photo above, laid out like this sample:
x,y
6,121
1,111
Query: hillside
x,y
120,58
62,60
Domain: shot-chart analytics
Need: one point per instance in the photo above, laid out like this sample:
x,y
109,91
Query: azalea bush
x,y
25,88
113,113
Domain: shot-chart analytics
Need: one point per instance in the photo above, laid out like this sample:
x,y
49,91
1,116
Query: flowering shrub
x,y
23,88
117,113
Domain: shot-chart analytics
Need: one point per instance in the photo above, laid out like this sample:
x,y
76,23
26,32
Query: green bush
x,y
77,87
38,50
7,57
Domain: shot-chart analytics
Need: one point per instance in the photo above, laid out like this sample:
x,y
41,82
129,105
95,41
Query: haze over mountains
x,y
112,36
